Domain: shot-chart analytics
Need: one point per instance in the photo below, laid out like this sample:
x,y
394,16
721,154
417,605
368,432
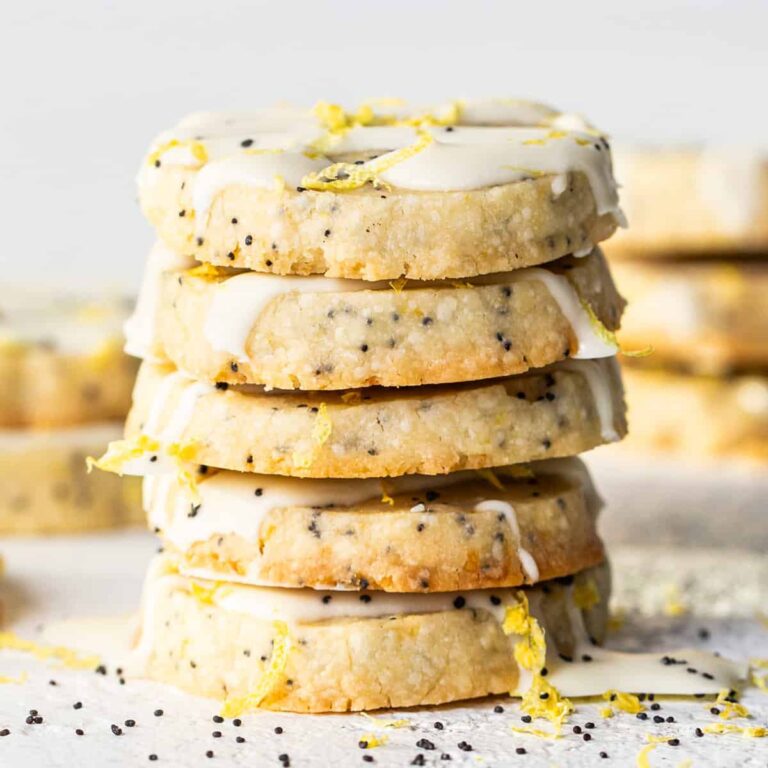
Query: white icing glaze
x,y
608,669
140,327
229,502
591,345
527,561
505,149
239,300
599,382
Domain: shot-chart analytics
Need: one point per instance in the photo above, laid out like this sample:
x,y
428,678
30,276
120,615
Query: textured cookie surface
x,y
247,328
61,361
293,650
708,316
697,417
415,534
44,486
422,197
692,203
561,411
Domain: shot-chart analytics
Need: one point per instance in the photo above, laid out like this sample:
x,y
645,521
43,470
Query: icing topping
x,y
139,329
600,385
472,145
239,300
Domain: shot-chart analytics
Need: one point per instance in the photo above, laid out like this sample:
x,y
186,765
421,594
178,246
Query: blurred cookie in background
x,y
65,383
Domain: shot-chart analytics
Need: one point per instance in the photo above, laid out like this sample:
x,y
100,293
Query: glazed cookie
x,y
692,202
45,487
709,316
61,361
292,192
698,417
415,534
559,411
310,651
323,333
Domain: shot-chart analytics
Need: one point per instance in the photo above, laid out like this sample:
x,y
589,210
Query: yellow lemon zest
x,y
642,760
536,732
616,620
586,594
69,658
603,333
730,709
343,177
536,142
20,680
371,740
753,732
491,477
553,707
381,722
196,148
119,452
625,702
606,712
385,497
673,604
281,646
206,270
352,398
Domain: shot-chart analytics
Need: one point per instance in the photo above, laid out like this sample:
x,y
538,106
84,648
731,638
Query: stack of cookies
x,y
695,271
66,385
373,344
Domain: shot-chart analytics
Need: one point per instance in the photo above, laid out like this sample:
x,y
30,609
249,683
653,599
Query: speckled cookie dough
x,y
570,408
61,361
44,486
709,316
226,328
378,197
692,202
372,235
697,417
417,534
224,641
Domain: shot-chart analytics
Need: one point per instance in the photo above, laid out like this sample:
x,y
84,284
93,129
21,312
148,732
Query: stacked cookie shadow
x,y
373,344
65,384
694,270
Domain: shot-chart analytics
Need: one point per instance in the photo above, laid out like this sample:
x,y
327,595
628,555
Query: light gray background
x,y
87,83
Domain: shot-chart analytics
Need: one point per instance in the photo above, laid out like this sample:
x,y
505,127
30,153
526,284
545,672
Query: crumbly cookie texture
x,y
380,433
709,316
389,337
691,203
377,235
61,361
536,525
697,417
45,487
340,664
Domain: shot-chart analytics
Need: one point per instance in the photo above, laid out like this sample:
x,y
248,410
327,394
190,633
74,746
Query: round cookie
x,y
560,411
692,202
697,417
61,360
279,191
320,333
44,486
709,316
415,534
308,651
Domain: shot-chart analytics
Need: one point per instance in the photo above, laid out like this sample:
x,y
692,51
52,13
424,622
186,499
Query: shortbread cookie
x,y
44,486
61,360
322,333
709,316
559,411
310,651
271,191
466,530
697,417
691,202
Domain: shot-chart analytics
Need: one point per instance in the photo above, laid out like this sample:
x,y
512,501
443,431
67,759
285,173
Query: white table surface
x,y
48,580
